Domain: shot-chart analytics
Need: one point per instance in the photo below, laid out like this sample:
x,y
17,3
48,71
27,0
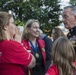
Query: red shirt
x,y
14,58
53,70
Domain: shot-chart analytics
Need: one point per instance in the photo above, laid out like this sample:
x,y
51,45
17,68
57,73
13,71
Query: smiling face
x,y
34,30
68,18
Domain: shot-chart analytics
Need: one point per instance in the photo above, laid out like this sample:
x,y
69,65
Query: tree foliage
x,y
46,11
73,2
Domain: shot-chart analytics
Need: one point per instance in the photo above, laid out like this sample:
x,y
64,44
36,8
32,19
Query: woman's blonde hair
x,y
63,55
25,34
4,21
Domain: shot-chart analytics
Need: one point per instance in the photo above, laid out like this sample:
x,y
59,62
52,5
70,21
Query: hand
x,y
18,35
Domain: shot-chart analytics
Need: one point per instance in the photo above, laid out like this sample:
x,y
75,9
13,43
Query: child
x,y
63,57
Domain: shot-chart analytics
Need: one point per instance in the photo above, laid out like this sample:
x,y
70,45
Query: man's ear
x,y
5,27
75,16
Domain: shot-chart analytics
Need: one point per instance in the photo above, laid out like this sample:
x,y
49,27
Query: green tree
x,y
73,2
46,11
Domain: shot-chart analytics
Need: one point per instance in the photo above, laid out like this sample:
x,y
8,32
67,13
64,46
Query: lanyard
x,y
34,48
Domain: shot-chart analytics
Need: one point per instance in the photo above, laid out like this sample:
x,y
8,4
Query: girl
x,y
63,56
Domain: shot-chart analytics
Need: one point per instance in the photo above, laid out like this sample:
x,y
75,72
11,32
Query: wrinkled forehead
x,y
66,11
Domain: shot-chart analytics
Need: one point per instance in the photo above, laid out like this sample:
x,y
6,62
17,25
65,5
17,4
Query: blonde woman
x,y
14,59
34,45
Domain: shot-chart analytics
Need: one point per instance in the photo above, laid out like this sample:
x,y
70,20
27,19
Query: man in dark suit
x,y
48,48
69,20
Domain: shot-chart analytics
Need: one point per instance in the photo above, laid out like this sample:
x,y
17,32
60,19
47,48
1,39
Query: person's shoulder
x,y
75,63
47,39
9,42
53,66
53,70
40,40
25,42
12,43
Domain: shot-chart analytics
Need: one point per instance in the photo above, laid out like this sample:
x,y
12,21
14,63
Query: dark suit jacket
x,y
48,49
72,34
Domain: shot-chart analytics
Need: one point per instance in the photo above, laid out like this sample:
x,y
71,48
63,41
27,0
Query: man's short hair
x,y
73,8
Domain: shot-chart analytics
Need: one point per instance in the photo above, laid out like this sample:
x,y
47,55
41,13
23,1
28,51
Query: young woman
x,y
63,56
34,45
14,58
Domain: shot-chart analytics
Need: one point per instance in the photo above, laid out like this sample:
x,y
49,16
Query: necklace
x,y
37,55
35,48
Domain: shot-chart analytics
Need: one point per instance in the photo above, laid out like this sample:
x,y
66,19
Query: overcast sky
x,y
64,3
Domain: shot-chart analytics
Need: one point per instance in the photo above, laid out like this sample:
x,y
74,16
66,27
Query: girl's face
x,y
34,29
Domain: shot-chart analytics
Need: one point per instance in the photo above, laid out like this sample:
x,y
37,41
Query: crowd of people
x,y
32,52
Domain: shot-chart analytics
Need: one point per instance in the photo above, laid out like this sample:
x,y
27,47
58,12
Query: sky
x,y
64,3
65,0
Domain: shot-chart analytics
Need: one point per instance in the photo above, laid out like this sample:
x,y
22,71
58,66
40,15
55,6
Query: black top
x,y
48,50
72,32
39,68
72,36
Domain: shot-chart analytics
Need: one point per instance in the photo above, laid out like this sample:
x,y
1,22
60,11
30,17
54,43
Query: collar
x,y
72,29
